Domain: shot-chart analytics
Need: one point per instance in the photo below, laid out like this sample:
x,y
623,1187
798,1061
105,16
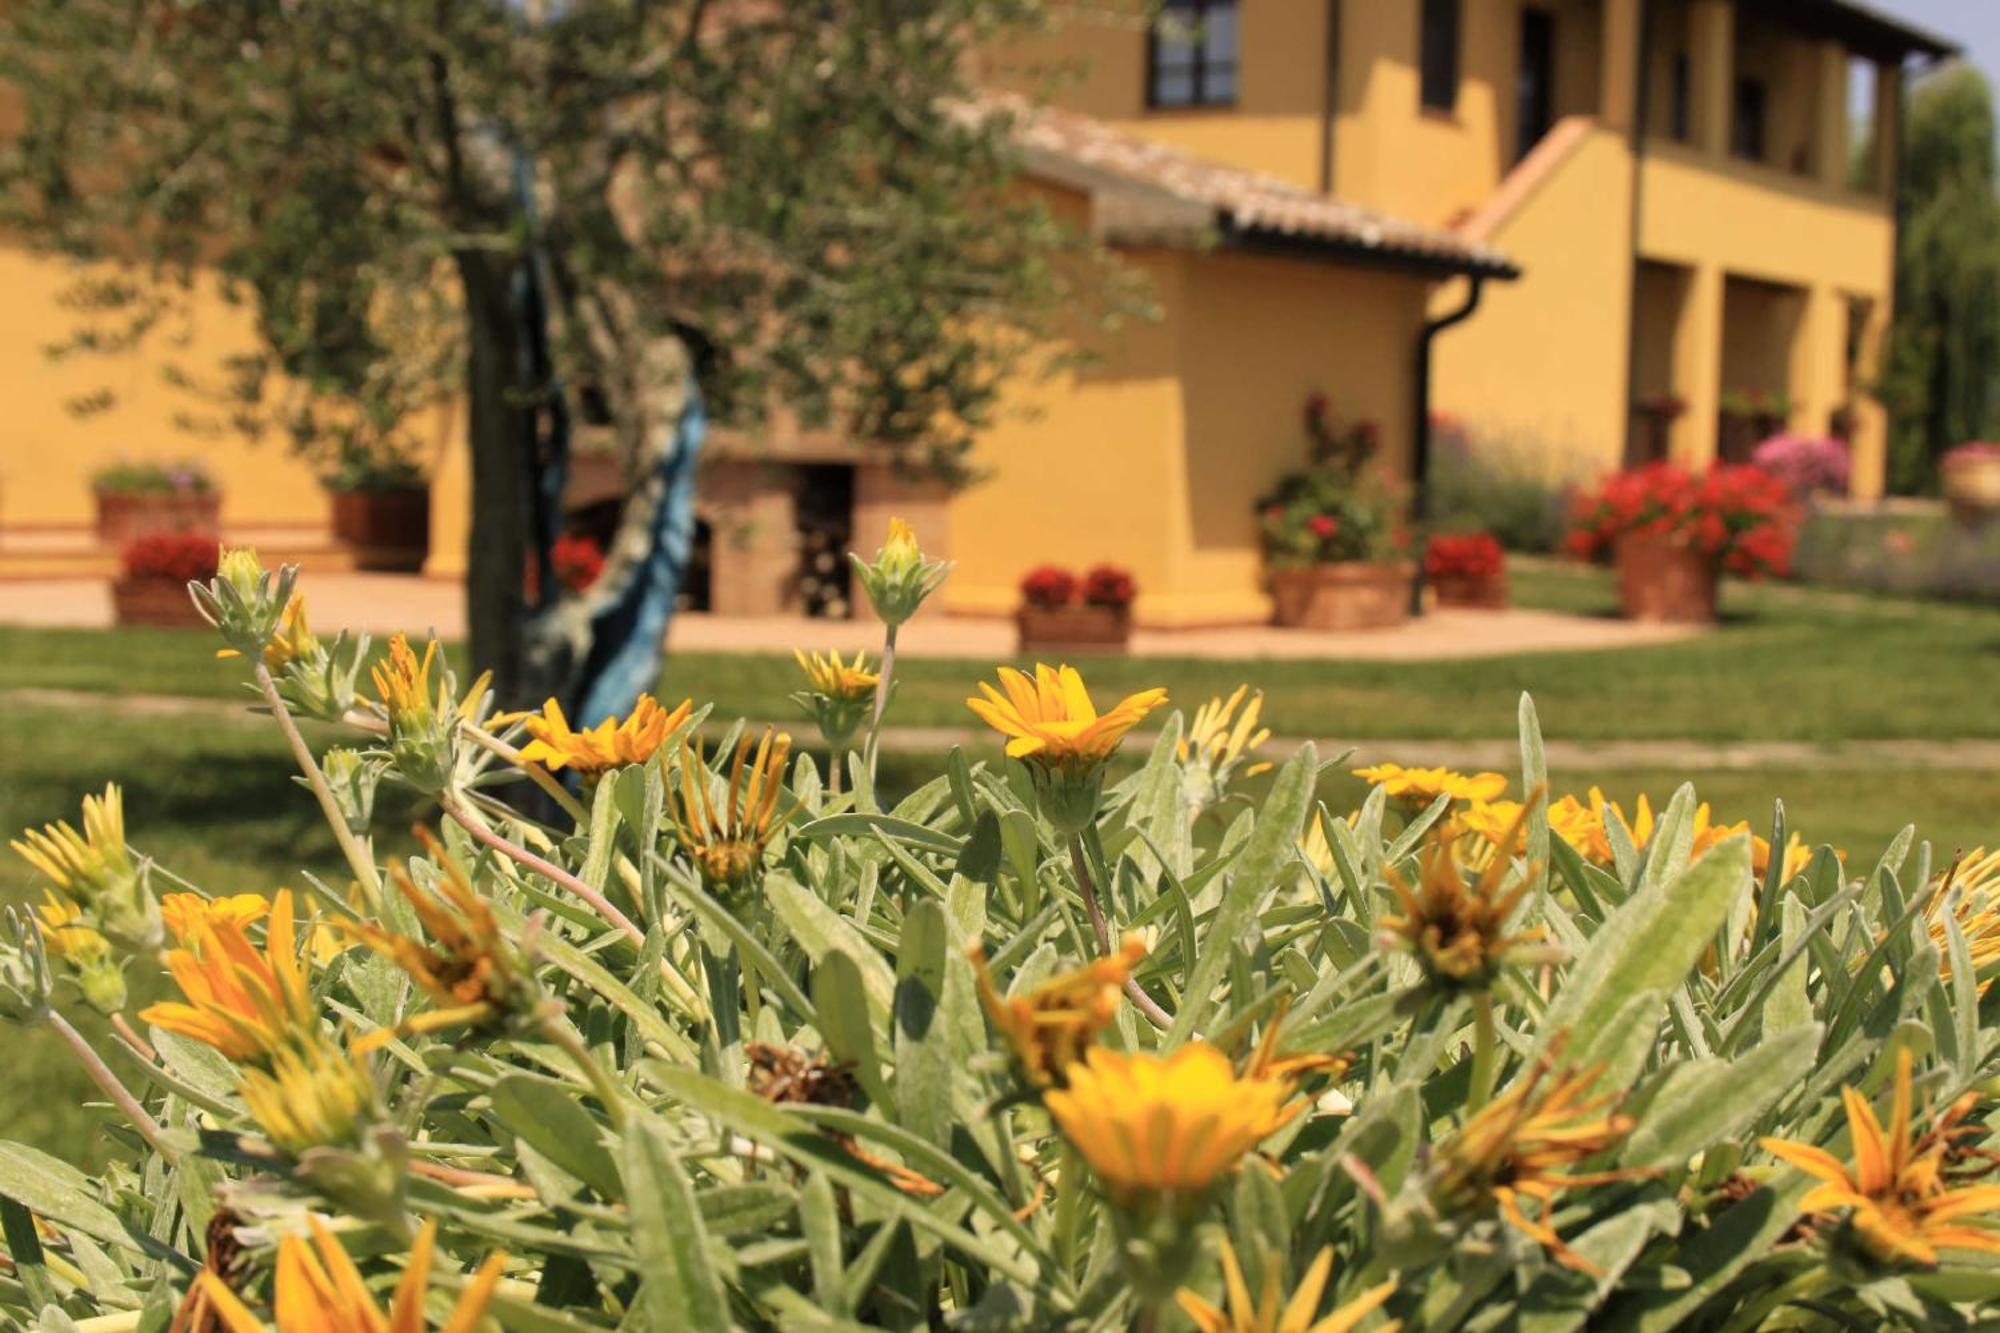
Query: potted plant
x,y
1970,476
152,588
1467,571
1672,533
381,510
1809,467
1061,614
1335,546
137,499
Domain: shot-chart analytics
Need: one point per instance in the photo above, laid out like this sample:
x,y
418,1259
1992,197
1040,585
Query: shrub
x,y
1048,587
1475,555
712,1045
1513,486
1808,466
1340,507
1975,452
1109,586
177,557
1741,515
182,477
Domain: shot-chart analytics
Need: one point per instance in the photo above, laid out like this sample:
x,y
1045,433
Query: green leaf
x,y
819,1222
1712,1101
1534,778
887,826
1269,853
60,1193
550,1119
925,1061
678,1287
1650,943
1713,1257
840,996
821,931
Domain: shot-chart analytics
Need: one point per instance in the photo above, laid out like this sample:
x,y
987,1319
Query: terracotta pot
x,y
1053,631
1661,579
1971,487
124,515
159,602
1356,594
386,531
1472,592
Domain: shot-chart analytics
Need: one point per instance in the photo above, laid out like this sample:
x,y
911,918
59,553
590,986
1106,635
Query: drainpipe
x,y
1420,459
1642,94
1330,94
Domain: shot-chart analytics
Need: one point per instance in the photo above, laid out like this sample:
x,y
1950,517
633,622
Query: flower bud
x,y
244,601
898,579
352,776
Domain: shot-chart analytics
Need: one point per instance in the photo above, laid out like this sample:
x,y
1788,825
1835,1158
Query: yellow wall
x,y
1154,459
47,453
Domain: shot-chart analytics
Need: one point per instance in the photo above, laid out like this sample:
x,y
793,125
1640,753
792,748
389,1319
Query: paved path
x,y
381,602
1501,755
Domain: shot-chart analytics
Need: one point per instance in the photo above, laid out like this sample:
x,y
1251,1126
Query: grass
x,y
1789,664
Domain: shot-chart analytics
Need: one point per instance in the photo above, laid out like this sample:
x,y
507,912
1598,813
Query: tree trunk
x,y
500,412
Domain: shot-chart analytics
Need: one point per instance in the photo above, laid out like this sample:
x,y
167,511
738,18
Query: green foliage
x,y
1938,376
1515,487
792,1112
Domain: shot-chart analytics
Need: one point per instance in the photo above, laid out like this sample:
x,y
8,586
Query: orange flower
x,y
1054,1025
246,1004
610,744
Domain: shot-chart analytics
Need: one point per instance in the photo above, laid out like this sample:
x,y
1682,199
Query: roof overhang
x,y
1863,28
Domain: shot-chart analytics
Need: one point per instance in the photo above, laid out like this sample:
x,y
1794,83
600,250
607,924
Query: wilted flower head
x,y
319,1290
837,693
1220,741
612,743
247,1004
1521,1144
1458,930
423,721
727,840
898,579
95,869
1054,1025
1160,1131
1419,787
1053,726
1270,1312
468,965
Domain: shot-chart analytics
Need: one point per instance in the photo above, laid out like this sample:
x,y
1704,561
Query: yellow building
x,y
1648,209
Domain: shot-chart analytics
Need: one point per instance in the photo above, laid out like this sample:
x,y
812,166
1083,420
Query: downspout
x,y
1420,453
1642,93
1330,108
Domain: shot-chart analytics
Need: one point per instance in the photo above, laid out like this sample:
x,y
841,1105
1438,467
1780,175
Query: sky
x,y
1974,24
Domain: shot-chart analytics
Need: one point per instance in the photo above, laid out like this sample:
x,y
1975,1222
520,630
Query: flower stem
x,y
1485,1052
536,774
546,869
121,1097
1143,1002
571,1042
359,859
882,682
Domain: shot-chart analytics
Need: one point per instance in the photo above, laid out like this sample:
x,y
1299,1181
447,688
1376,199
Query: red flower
x,y
1108,585
1048,586
176,557
578,561
1323,526
1476,555
1741,514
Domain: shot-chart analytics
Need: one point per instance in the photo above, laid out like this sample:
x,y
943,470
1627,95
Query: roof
x,y
1867,28
1144,192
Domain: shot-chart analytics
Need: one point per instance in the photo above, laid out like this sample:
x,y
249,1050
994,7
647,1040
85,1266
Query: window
x,y
1747,133
1191,54
1438,51
1534,91
1680,114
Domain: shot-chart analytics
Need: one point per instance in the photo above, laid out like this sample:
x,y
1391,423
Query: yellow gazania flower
x,y
1160,1131
1052,1026
239,567
291,639
467,966
247,1005
67,935
1270,1313
847,682
403,681
1897,1198
610,744
899,549
319,1290
89,865
1219,741
1971,895
1458,930
188,914
1051,721
1518,1145
1419,787
727,841
314,1095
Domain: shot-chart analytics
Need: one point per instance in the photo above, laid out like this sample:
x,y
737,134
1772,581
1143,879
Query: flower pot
x,y
1662,579
1060,630
1472,592
1972,487
124,515
387,531
158,602
1356,594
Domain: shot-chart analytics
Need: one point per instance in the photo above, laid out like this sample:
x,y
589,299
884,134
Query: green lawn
x,y
1790,664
